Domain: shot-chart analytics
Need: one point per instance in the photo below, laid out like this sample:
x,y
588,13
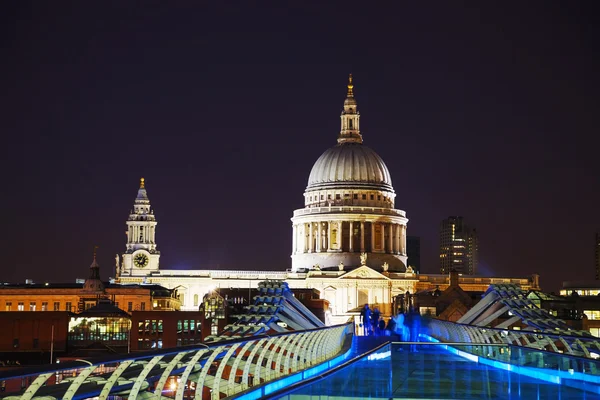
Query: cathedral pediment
x,y
364,272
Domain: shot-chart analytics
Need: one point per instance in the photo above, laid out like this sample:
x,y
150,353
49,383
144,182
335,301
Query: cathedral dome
x,y
350,164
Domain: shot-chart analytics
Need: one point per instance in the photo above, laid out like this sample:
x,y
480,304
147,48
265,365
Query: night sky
x,y
490,113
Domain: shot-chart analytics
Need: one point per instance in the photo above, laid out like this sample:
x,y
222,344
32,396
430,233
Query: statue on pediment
x,y
341,266
385,267
363,259
410,270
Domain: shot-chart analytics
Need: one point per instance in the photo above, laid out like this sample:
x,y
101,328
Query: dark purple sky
x,y
490,113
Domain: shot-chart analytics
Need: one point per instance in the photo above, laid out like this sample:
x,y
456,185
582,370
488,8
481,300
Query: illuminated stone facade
x,y
349,206
78,297
141,256
349,242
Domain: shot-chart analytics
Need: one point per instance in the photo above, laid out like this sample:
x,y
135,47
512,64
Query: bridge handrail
x,y
524,331
30,371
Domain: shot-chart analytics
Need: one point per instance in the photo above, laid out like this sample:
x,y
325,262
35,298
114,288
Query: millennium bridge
x,y
279,346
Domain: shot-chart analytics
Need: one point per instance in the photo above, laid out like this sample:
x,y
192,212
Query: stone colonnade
x,y
141,234
349,236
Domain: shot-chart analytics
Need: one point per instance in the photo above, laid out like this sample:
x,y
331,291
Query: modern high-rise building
x,y
597,255
458,247
413,251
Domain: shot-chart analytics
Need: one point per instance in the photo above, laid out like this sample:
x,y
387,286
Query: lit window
x,y
592,314
32,306
56,306
44,306
68,306
143,306
8,306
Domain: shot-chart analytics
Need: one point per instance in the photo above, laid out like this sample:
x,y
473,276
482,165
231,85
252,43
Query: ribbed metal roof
x,y
347,165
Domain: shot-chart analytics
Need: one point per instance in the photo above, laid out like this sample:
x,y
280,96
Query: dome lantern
x,y
350,132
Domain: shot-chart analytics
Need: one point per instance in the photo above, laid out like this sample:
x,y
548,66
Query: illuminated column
x,y
403,240
328,235
362,236
294,239
372,236
351,236
304,239
382,238
311,243
391,238
318,249
397,238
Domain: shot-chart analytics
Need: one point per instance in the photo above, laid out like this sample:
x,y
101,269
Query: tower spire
x,y
350,131
142,183
350,86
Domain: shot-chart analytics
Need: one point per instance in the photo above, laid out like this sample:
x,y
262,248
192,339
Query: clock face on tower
x,y
140,260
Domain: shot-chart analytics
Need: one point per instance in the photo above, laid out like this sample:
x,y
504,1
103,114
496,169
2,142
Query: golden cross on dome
x,y
142,183
350,86
95,249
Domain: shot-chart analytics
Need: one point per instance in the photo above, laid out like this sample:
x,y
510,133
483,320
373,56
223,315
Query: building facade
x,y
141,253
459,247
78,297
349,206
348,242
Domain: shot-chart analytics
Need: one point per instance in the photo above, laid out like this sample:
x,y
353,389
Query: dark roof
x,y
153,287
104,308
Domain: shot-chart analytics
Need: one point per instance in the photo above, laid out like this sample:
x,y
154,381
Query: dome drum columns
x,y
347,236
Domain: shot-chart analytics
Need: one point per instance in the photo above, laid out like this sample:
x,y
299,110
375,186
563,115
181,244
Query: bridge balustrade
x,y
574,345
206,371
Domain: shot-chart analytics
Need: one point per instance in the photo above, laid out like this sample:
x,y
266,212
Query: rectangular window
x,y
355,197
56,306
364,196
32,306
378,197
130,306
143,306
372,197
45,306
337,197
328,197
68,306
8,306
